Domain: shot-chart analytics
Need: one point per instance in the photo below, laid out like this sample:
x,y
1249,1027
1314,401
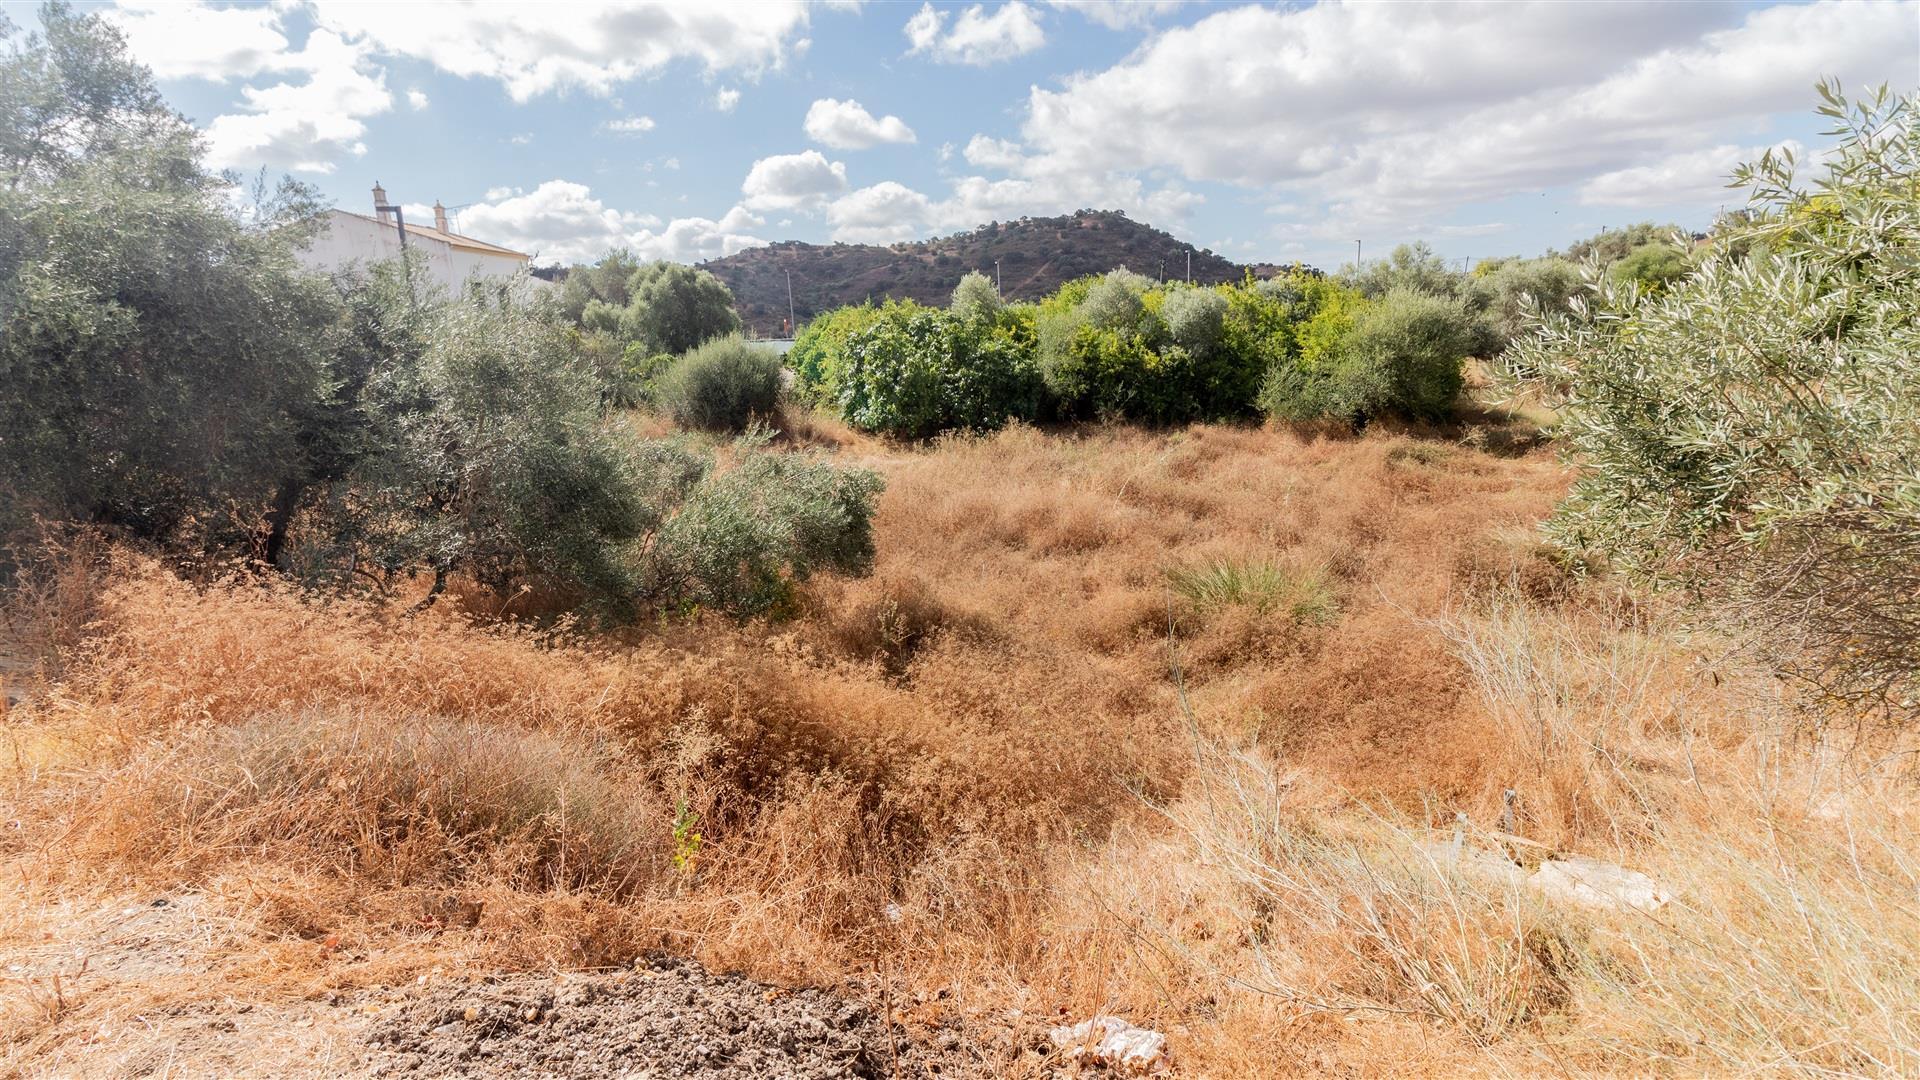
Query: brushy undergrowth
x,y
985,734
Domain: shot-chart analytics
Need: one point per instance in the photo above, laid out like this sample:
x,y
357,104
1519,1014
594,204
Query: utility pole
x,y
1356,254
1189,266
793,324
996,277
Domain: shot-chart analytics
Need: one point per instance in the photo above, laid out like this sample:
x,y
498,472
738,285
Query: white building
x,y
452,260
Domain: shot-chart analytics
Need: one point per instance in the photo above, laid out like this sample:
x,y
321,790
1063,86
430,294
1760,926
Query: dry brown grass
x,y
1154,723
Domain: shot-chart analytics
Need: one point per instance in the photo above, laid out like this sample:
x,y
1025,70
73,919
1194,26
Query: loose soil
x,y
667,1019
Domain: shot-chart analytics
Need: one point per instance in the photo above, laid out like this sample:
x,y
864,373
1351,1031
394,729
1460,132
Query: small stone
x,y
471,1014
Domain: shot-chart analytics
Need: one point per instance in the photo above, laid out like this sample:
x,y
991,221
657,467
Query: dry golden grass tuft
x,y
1165,724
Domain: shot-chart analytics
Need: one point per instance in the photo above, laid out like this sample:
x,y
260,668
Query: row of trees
x,y
175,377
1118,345
1392,337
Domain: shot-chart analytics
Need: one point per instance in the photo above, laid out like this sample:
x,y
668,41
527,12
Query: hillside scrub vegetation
x,y
1029,257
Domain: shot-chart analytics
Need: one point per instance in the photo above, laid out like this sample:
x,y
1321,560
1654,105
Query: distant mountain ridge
x,y
1035,256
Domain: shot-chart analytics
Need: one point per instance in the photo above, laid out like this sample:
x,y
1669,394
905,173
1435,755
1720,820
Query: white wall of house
x,y
353,240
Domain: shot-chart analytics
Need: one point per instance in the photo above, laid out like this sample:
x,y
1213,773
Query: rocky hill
x,y
1035,255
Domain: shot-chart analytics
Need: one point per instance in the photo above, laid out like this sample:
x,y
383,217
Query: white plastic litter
x,y
1114,1043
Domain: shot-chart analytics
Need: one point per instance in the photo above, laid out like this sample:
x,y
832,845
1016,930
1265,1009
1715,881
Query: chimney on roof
x,y
439,217
380,202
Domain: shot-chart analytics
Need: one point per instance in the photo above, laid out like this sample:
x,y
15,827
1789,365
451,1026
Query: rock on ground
x,y
1592,883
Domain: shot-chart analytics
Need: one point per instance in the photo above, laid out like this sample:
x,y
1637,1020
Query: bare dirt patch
x,y
665,1019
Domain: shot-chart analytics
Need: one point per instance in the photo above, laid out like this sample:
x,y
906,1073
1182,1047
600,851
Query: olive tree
x,y
1752,434
159,353
490,458
975,299
1504,289
1196,318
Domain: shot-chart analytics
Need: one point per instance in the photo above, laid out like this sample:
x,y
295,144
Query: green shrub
x,y
1414,267
1407,353
1750,434
673,308
720,386
1115,346
1057,322
662,307
495,463
1404,354
745,537
1507,286
1609,246
1653,266
162,359
1114,302
1325,319
489,458
819,353
918,371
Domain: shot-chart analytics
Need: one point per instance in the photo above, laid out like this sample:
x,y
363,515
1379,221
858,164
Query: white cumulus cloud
x,y
1118,14
1387,114
847,125
630,125
803,181
307,126
563,221
197,40
1688,177
989,153
881,214
975,37
533,48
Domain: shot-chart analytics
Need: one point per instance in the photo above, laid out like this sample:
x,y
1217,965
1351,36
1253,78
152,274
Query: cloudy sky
x,y
691,130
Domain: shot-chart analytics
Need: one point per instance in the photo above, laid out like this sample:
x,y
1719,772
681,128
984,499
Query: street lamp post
x,y
793,324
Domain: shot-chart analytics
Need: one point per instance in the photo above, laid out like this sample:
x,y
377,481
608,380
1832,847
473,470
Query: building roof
x,y
453,238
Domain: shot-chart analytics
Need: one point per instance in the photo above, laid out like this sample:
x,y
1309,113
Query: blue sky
x,y
688,131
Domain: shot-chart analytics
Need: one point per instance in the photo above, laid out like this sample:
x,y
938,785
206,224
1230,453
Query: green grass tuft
x,y
1304,595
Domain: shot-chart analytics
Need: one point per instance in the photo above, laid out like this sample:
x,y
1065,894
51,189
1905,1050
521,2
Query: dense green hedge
x,y
1118,345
